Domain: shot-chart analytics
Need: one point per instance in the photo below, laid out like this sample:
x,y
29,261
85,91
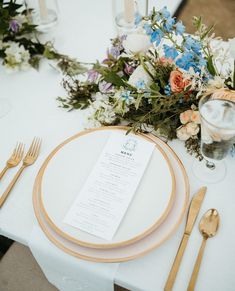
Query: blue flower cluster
x,y
190,55
167,25
170,52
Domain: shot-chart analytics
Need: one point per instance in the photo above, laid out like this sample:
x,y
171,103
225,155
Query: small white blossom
x,y
185,131
232,47
216,83
182,133
101,112
17,57
20,18
192,128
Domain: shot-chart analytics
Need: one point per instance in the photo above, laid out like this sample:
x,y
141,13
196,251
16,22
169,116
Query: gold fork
x,y
28,160
15,158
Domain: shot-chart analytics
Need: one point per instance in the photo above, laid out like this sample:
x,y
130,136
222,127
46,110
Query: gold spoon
x,y
208,227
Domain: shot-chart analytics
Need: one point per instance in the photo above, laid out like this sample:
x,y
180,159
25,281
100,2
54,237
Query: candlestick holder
x,y
128,13
45,13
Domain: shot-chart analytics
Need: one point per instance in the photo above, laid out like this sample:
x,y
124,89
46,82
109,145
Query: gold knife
x,y
193,211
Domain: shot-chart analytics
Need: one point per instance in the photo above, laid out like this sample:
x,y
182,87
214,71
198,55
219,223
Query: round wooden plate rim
x,y
105,260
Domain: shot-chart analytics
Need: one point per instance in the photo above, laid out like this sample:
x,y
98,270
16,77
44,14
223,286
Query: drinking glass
x,y
217,137
126,14
45,13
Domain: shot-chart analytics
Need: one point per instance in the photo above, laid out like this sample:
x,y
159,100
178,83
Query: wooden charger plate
x,y
138,248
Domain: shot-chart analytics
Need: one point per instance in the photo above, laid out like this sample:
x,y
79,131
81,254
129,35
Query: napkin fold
x,y
69,273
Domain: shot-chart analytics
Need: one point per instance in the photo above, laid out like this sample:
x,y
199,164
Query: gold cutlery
x,y
28,160
193,211
14,159
208,227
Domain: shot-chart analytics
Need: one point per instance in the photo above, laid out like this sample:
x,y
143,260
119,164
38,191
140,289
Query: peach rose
x,y
177,82
224,94
195,117
185,116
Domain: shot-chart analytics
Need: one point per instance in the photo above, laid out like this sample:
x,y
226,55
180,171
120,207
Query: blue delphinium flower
x,y
170,52
167,90
186,61
202,62
192,44
156,36
186,64
148,29
168,24
164,12
138,18
179,28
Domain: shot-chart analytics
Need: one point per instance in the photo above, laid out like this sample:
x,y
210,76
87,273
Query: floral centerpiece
x,y
153,79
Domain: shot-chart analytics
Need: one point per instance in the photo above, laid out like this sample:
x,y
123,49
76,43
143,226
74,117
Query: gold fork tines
x,y
28,160
32,153
14,159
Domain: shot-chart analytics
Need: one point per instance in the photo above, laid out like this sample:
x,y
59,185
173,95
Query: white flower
x,y
138,75
182,133
17,57
192,128
100,100
20,18
232,47
137,43
101,111
217,82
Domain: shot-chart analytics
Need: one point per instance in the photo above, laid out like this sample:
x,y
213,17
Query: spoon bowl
x,y
209,223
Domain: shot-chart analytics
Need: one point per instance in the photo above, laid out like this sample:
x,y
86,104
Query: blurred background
x,y
218,12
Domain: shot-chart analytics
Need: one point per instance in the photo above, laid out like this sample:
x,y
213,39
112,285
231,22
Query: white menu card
x,y
104,198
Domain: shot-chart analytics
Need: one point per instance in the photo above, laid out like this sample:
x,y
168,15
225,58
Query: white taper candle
x,y
43,9
129,10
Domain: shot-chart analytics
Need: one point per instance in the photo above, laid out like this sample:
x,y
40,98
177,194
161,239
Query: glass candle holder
x,y
127,14
45,13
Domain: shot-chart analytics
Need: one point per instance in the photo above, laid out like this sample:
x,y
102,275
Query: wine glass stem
x,y
210,165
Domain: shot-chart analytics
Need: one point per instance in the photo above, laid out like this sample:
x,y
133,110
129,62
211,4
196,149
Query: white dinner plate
x,y
65,171
138,248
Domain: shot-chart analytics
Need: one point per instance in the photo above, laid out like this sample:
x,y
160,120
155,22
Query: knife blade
x,y
193,211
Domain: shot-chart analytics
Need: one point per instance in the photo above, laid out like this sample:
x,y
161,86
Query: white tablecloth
x,y
35,112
